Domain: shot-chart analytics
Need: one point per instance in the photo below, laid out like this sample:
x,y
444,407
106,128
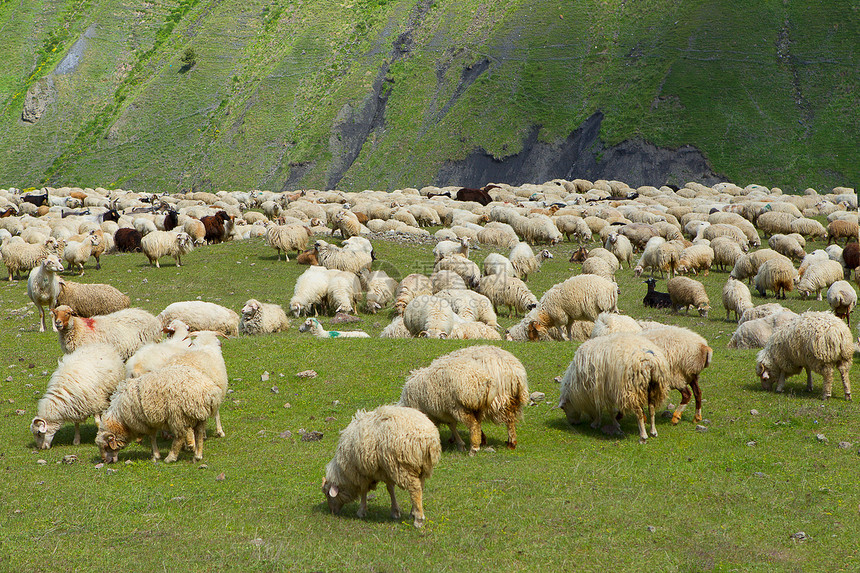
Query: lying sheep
x,y
761,311
429,316
814,341
201,315
178,399
396,329
379,290
43,286
395,445
412,286
468,386
686,292
581,297
80,387
756,332
818,277
342,259
159,244
442,280
614,375
473,330
262,318
842,299
736,298
314,326
91,299
126,330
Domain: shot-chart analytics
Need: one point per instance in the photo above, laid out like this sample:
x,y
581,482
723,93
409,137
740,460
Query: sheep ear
x,y
111,440
333,491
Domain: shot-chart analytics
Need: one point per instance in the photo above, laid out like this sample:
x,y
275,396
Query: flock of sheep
x,y
118,368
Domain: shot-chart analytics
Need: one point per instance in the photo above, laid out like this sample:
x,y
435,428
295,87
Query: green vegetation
x,y
728,498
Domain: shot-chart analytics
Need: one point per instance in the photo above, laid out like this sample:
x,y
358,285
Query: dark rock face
x,y
38,97
582,155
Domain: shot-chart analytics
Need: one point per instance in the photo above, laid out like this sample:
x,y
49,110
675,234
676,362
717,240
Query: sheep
x,y
196,229
736,298
128,240
774,222
43,287
524,330
379,290
498,234
747,265
308,257
468,386
775,274
842,229
288,238
396,329
610,322
471,330
219,226
761,311
153,356
343,292
842,299
755,333
91,299
126,330
178,399
468,270
262,318
166,243
648,260
497,264
539,229
654,298
581,297
808,228
726,230
448,248
201,315
144,226
334,257
819,276
620,246
599,267
571,225
507,290
22,257
726,252
392,444
313,325
687,354
442,280
815,341
618,373
696,258
686,292
524,260
429,316
606,256
309,291
80,387
470,305
786,245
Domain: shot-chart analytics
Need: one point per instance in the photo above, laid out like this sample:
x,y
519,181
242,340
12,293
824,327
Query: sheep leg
x,y
77,439
362,506
827,374
809,383
456,438
175,447
651,412
416,491
395,509
474,433
686,395
98,264
42,317
219,430
154,443
780,384
512,434
199,429
697,393
640,420
844,367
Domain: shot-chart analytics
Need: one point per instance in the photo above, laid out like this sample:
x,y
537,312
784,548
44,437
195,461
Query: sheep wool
x,y
262,318
201,315
468,386
157,244
126,330
756,332
91,299
818,277
43,286
686,292
582,297
842,299
736,297
392,444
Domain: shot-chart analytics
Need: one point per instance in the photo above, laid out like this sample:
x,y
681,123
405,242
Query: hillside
x,y
391,93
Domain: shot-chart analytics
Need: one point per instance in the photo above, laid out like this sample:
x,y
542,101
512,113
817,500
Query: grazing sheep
x,y
502,289
80,387
395,445
498,234
310,291
696,258
470,305
748,264
614,375
582,297
201,315
91,299
178,399
43,287
774,222
687,354
126,330
23,257
343,292
429,316
786,245
648,260
196,230
313,325
842,229
524,260
497,264
379,290
468,386
288,238
817,256
468,270
572,225
775,274
736,298
166,243
262,318
686,292
410,287
755,333
128,240
819,276
815,341
219,227
842,299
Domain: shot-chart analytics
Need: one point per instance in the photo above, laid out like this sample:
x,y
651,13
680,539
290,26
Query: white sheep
x,y
78,253
842,299
396,329
727,251
761,311
442,280
395,445
309,292
448,248
507,290
610,322
159,244
288,238
818,277
154,355
497,264
126,330
91,299
343,292
472,330
338,258
736,297
815,341
524,260
755,333
581,297
379,290
648,260
686,292
748,264
599,267
43,286
470,305
468,386
262,318
429,316
498,234
178,399
313,325
22,257
620,246
468,270
201,315
786,245
80,387
620,373
572,225
696,258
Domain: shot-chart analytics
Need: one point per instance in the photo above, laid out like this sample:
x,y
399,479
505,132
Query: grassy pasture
x,y
566,499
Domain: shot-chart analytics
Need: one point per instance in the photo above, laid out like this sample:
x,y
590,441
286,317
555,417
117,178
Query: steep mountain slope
x,y
390,93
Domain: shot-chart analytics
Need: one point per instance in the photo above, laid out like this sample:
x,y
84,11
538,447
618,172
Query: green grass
x,y
566,499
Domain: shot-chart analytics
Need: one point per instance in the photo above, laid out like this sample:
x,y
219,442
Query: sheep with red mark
x,y
125,330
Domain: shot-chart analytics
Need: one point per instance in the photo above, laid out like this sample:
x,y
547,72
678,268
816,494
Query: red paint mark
x,y
90,322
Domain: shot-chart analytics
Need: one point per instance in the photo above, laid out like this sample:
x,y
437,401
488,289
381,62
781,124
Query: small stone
x,y
557,379
800,536
145,281
822,439
752,444
536,398
17,511
20,412
651,529
40,483
759,474
753,412
286,434
342,317
128,462
31,365
99,466
264,377
257,542
41,462
9,379
843,445
220,477
666,414
701,428
307,374
330,419
336,403
178,498
275,390
312,436
490,450
110,471
69,459
288,405
202,467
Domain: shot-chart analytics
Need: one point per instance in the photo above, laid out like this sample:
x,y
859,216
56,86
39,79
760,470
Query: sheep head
x,y
43,432
110,439
63,315
334,496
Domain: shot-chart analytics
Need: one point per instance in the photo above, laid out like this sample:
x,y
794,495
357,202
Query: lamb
x,y
166,243
201,315
309,291
687,354
288,238
392,444
43,286
468,386
126,330
379,290
429,316
313,325
755,333
815,341
448,248
581,297
819,276
686,292
262,318
524,330
620,246
334,257
507,290
91,299
619,373
761,311
775,274
654,298
178,399
23,257
842,299
736,297
524,260
80,387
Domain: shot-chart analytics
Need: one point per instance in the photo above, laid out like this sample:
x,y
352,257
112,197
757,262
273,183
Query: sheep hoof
x,y
395,514
643,440
511,445
361,513
473,451
220,433
170,458
653,433
419,522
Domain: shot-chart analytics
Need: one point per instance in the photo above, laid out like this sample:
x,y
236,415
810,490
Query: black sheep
x,y
127,240
656,299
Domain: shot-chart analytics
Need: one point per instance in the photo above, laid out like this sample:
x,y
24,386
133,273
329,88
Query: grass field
x,y
568,499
